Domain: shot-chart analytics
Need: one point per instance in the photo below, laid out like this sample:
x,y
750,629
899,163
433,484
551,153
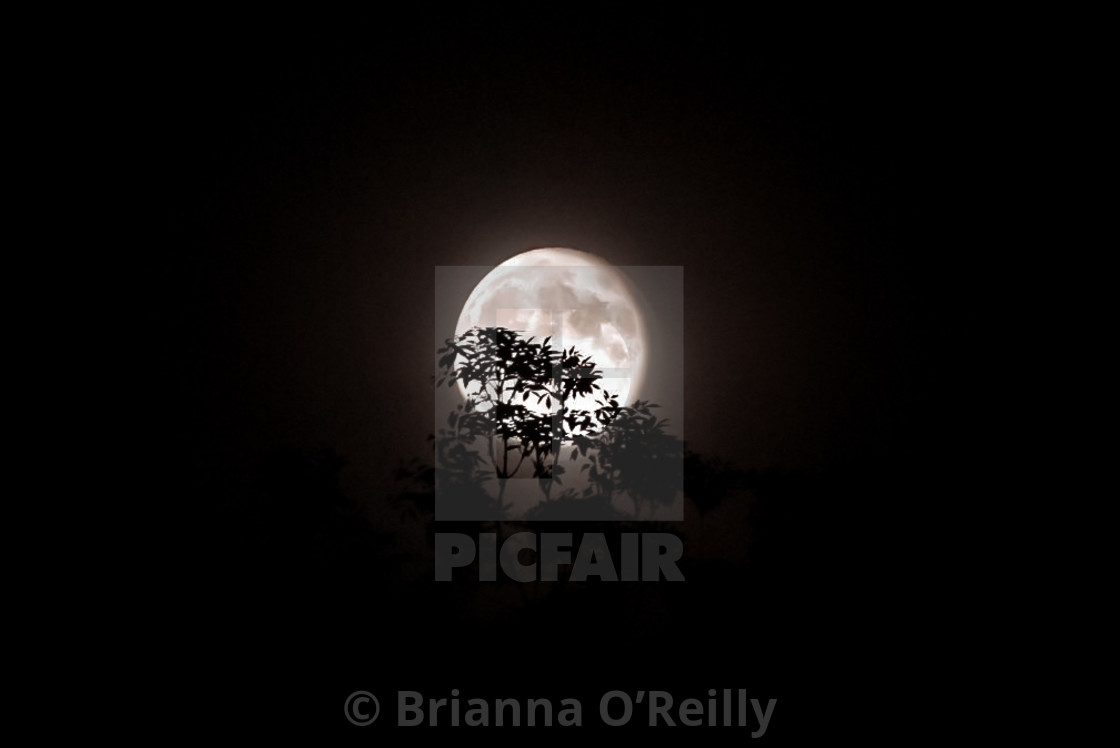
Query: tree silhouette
x,y
519,401
634,455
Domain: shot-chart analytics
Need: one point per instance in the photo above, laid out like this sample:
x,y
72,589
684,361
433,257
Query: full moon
x,y
573,297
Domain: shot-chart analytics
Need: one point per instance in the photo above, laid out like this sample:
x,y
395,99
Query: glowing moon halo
x,y
576,298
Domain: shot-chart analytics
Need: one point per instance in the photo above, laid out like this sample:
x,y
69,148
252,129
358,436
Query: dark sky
x,y
321,184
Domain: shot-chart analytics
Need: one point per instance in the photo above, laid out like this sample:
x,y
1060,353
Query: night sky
x,y
317,185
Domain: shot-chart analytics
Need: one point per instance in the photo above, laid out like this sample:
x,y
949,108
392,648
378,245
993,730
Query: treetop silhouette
x,y
520,399
529,403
